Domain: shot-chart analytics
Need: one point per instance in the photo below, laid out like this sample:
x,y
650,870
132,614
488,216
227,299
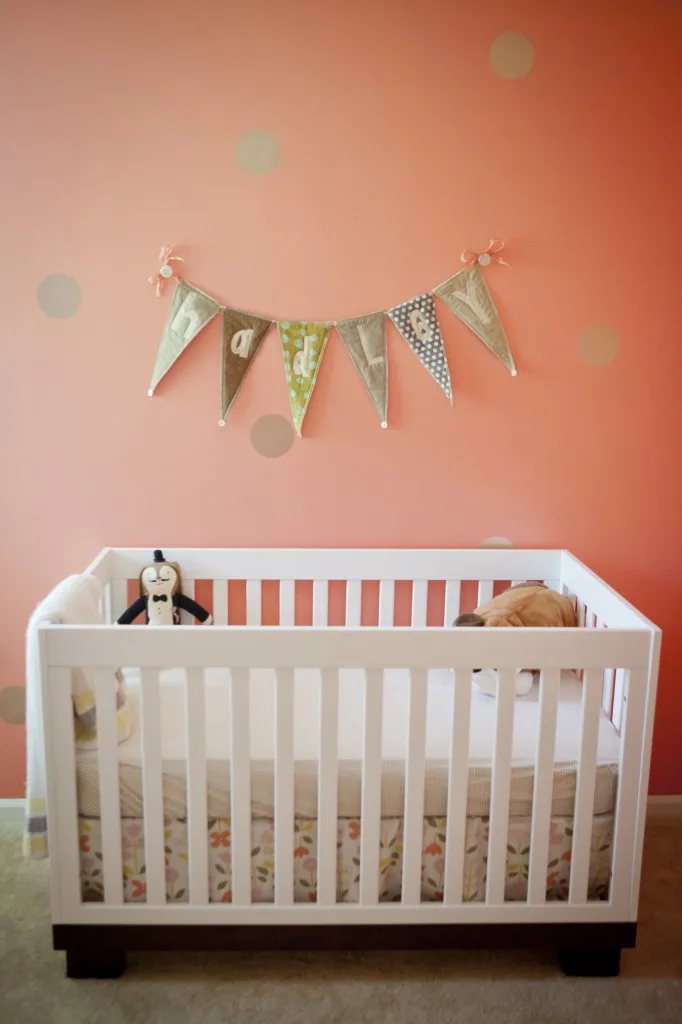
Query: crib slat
x,y
240,786
109,795
386,603
152,790
327,798
63,801
458,778
353,602
253,602
632,742
119,597
453,590
618,692
581,613
284,787
106,611
197,809
287,599
371,789
220,602
485,592
501,779
584,795
420,591
543,786
607,692
320,602
414,789
186,618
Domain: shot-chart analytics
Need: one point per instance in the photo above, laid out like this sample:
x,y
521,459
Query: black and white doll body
x,y
161,597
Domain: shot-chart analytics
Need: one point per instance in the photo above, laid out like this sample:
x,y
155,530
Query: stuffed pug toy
x,y
161,596
525,604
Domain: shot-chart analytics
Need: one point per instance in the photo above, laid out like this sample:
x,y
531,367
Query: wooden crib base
x,y
585,950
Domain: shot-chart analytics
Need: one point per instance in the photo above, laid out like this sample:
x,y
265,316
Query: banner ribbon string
x,y
485,257
165,271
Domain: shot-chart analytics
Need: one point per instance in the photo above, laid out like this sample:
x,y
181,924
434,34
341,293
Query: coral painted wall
x,y
397,134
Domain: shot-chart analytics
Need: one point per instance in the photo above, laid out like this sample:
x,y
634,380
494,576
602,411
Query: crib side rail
x,y
374,651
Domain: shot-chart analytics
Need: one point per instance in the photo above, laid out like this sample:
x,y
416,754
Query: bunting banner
x,y
365,341
417,321
303,346
243,334
191,309
467,295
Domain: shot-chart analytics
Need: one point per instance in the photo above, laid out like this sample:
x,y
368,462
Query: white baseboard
x,y
11,810
659,808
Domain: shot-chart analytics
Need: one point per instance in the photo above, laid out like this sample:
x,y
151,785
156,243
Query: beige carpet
x,y
485,988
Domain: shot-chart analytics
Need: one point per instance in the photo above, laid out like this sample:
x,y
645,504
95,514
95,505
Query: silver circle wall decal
x,y
258,152
13,705
496,542
272,436
59,295
597,345
512,55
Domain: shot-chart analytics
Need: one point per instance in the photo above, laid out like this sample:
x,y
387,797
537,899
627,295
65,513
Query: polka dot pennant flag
x,y
468,296
303,346
417,321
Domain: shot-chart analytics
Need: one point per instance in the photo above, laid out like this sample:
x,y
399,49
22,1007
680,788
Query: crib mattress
x,y
350,740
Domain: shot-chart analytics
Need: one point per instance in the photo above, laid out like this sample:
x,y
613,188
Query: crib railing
x,y
373,651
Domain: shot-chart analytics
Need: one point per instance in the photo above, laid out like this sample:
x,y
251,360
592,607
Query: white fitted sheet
x,y
394,743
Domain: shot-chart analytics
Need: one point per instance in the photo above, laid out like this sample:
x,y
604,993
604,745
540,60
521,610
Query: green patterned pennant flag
x,y
242,337
365,340
469,298
303,346
417,321
190,311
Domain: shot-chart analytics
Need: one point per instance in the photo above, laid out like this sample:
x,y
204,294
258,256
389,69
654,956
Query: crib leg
x,y
95,963
590,963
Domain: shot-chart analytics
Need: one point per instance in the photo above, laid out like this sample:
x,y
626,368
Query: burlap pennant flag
x,y
190,311
365,340
417,321
303,346
243,334
469,298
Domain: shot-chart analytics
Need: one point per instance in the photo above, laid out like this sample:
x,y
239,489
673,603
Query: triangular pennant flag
x,y
242,337
469,298
190,311
417,321
303,346
365,339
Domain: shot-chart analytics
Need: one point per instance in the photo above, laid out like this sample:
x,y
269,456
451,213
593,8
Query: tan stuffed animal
x,y
526,604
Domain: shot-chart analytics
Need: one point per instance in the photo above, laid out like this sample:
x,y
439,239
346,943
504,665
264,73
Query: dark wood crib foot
x,y
590,963
95,963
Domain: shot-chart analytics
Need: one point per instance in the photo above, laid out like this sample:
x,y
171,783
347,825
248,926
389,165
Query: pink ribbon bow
x,y
485,257
165,271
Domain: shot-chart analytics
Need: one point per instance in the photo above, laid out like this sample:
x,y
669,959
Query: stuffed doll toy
x,y
161,597
525,604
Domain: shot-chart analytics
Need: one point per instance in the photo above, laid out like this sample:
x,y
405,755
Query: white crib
x,y
615,649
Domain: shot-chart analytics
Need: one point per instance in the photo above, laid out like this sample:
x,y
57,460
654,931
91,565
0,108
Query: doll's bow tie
x,y
159,597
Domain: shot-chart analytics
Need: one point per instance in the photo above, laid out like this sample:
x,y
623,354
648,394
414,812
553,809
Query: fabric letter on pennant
x,y
191,310
417,321
365,340
469,298
303,346
243,335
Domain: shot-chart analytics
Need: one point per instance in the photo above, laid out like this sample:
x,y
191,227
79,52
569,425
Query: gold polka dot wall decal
x,y
59,295
258,152
13,705
496,542
272,436
512,55
597,345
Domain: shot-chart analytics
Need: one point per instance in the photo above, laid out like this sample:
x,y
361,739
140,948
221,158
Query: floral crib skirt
x,y
348,859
